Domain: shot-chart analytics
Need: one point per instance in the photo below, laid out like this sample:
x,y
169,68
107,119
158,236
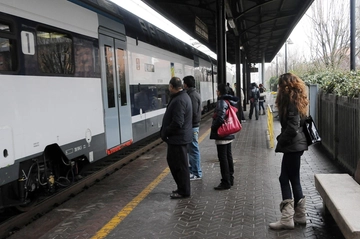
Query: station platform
x,y
134,202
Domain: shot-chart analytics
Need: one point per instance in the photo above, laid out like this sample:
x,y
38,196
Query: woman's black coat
x,y
292,137
219,116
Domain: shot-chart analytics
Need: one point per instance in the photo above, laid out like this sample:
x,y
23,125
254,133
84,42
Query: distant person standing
x,y
176,131
231,91
262,98
223,144
292,104
254,100
241,100
193,147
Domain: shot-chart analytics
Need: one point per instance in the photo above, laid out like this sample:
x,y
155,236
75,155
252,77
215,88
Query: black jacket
x,y
219,116
291,138
254,94
196,106
177,122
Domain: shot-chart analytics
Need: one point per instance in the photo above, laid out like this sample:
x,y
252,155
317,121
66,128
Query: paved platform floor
x,y
125,207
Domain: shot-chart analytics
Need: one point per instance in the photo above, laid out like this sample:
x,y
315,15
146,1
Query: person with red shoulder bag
x,y
223,144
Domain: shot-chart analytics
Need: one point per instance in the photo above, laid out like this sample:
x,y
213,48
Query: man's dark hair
x,y
176,82
189,81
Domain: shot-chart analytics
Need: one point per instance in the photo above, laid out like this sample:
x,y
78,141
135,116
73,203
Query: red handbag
x,y
231,124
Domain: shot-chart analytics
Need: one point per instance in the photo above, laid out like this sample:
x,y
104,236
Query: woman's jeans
x,y
261,106
290,173
226,164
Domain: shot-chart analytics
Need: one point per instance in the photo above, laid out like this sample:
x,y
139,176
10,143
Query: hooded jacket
x,y
219,116
292,137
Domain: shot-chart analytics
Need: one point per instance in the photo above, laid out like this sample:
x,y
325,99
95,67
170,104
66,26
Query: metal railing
x,y
338,120
270,124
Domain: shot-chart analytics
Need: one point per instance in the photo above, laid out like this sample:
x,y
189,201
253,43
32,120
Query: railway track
x,y
95,173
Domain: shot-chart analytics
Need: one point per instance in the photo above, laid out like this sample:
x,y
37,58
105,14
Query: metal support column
x,y
238,77
352,35
263,69
220,41
245,85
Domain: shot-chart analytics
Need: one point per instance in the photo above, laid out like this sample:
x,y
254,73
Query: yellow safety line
x,y
204,135
117,219
105,230
270,123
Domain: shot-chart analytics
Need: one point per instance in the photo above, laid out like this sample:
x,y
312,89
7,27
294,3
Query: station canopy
x,y
262,26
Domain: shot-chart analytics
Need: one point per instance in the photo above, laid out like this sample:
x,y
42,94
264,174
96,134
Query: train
x,y
81,80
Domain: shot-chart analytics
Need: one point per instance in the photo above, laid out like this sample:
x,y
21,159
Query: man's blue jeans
x,y
194,154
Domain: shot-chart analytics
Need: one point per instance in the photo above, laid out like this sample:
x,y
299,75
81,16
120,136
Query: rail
x,y
270,124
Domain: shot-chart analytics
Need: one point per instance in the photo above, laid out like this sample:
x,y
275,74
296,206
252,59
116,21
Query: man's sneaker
x,y
194,177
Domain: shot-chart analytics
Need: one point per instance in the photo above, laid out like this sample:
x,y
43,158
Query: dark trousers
x,y
241,115
290,173
254,105
179,167
261,106
226,164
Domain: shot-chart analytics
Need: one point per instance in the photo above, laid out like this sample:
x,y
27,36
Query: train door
x,y
117,114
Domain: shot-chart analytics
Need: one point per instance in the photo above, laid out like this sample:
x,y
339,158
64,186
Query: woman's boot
x,y
300,212
287,216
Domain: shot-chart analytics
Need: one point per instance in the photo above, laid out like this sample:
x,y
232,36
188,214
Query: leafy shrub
x,y
338,83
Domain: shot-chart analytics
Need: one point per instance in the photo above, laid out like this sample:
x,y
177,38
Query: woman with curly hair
x,y
292,106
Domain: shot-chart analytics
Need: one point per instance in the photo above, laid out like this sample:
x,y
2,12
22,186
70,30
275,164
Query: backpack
x,y
255,93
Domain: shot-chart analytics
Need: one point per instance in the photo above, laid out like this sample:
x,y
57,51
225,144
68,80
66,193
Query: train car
x,y
81,79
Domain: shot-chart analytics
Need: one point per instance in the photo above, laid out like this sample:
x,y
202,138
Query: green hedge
x,y
338,83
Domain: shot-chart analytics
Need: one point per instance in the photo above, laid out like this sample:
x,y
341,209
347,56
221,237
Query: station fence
x,y
338,120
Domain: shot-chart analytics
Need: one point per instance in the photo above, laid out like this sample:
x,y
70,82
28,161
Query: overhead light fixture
x,y
231,23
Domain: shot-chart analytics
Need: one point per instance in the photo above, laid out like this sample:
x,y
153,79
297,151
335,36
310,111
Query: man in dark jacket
x,y
176,131
254,100
193,147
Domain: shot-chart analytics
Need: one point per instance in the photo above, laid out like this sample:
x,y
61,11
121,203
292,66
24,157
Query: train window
x,y
120,59
180,47
4,27
147,98
87,62
5,55
153,35
145,31
8,57
109,62
163,39
172,43
55,52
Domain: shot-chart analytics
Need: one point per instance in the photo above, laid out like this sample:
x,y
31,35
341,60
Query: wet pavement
x,y
134,202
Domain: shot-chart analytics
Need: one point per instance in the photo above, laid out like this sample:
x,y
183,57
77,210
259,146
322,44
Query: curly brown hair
x,y
291,90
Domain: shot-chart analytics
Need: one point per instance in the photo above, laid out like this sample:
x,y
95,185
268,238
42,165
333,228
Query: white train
x,y
81,79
